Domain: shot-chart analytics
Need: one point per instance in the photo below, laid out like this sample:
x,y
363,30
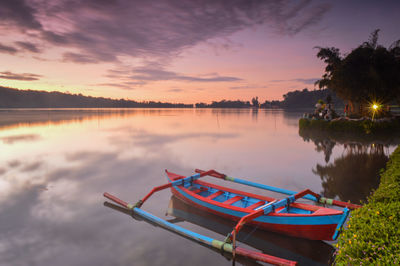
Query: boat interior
x,y
242,199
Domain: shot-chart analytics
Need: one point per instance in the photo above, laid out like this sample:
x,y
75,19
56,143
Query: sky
x,y
181,51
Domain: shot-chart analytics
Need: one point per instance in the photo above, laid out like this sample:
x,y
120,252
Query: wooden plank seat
x,y
198,190
232,200
214,195
255,205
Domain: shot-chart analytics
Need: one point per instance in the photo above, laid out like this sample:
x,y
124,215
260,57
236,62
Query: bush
x,y
390,127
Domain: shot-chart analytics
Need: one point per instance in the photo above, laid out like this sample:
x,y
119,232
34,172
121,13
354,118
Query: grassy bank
x,y
373,233
351,129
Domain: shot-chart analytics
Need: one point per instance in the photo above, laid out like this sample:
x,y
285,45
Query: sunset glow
x,y
180,52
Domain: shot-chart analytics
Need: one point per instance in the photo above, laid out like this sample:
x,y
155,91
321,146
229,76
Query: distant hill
x,y
304,99
225,104
14,98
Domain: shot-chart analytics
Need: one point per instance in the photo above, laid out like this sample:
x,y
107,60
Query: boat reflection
x,y
305,252
228,256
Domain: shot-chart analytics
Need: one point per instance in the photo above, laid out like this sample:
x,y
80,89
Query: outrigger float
x,y
285,216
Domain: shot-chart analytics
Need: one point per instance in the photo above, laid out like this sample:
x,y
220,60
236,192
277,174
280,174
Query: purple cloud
x,y
19,13
175,90
155,72
300,80
7,49
100,31
28,46
245,87
116,85
79,58
22,77
158,74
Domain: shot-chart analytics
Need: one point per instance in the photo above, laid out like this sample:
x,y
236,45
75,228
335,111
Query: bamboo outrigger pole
x,y
314,197
221,245
225,245
271,207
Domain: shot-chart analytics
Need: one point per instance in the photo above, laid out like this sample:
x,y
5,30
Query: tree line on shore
x,y
298,99
14,98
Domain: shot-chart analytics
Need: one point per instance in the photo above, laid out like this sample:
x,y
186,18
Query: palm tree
x,y
367,74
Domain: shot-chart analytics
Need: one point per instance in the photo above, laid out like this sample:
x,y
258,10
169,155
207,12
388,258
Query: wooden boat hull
x,y
310,222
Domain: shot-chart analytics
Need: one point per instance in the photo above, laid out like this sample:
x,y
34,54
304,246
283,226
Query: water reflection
x,y
55,165
17,138
30,117
355,174
305,252
228,256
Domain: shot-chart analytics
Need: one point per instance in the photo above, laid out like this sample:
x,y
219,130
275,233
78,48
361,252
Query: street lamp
x,y
375,108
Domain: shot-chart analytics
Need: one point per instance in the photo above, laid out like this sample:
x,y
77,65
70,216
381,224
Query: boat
x,y
293,219
304,251
285,216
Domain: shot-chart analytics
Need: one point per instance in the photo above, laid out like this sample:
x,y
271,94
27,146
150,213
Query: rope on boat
x,y
249,234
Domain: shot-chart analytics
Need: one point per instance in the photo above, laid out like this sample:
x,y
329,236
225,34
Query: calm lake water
x,y
56,164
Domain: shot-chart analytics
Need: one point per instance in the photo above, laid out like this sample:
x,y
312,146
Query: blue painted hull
x,y
318,225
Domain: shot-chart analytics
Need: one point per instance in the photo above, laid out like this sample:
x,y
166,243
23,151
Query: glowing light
x,y
375,107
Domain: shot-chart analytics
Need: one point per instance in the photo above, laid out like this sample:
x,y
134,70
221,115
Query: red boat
x,y
283,216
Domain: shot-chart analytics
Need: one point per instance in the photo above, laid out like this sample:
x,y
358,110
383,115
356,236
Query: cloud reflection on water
x,y
57,219
42,226
18,138
51,190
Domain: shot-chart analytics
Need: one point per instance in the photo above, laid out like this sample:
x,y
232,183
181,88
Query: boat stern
x,y
346,212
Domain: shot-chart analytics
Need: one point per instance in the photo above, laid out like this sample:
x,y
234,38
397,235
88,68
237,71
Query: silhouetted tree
x,y
255,102
303,99
368,73
225,104
328,99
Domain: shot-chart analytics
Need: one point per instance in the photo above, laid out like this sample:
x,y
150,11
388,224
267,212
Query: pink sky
x,y
181,51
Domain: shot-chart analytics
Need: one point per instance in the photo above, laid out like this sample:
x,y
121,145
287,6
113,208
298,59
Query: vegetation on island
x,y
368,78
368,75
14,98
358,129
372,236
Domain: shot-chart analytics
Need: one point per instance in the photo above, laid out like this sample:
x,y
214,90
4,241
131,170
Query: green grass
x,y
372,236
363,130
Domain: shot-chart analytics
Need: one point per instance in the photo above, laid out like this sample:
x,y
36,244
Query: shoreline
x,y
343,129
372,234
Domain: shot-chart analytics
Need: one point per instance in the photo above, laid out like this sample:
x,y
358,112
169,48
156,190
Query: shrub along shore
x,y
372,235
366,129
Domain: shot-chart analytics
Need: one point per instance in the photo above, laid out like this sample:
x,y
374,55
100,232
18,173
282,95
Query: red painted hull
x,y
313,232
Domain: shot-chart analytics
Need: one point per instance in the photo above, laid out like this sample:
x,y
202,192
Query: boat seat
x,y
232,200
195,191
255,205
198,190
214,195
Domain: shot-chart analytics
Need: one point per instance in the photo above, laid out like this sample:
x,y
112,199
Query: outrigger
x,y
285,216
